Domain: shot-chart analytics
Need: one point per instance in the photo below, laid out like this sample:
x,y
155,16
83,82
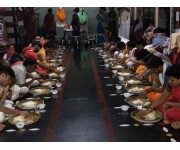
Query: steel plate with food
x,y
133,81
49,82
28,104
138,101
125,73
60,68
135,88
152,117
40,90
29,120
52,64
54,75
117,67
52,61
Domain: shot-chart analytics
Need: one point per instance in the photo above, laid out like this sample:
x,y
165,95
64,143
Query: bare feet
x,y
175,125
1,127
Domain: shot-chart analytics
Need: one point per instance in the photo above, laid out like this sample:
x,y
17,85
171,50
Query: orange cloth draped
x,y
61,15
153,96
140,69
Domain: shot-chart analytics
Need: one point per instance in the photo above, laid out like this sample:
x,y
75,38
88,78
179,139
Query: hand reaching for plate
x,y
143,112
168,105
143,94
26,114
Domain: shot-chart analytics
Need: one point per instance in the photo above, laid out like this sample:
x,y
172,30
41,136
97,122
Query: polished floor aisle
x,y
83,110
79,117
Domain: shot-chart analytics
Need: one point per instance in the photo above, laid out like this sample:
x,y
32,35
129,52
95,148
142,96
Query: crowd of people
x,y
21,69
154,59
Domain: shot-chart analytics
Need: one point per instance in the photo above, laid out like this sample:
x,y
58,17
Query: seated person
x,y
157,66
42,53
31,52
5,80
23,71
169,106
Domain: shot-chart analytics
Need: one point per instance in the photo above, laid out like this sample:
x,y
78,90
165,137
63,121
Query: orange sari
x,y
61,15
140,69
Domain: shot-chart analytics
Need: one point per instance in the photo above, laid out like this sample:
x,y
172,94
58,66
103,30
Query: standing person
x,y
101,24
49,23
112,20
61,15
75,22
29,23
82,18
20,24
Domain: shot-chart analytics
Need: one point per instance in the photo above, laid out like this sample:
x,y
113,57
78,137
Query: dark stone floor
x,y
83,110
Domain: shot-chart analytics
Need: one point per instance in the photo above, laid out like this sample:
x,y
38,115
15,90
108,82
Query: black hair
x,y
146,58
173,71
103,8
131,44
29,61
120,45
7,70
141,41
48,44
10,71
18,49
76,10
36,43
154,62
159,30
142,53
49,10
114,37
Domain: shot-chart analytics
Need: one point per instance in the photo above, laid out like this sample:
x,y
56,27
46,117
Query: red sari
x,y
173,113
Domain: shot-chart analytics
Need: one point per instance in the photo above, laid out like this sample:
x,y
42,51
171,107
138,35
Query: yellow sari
x,y
42,56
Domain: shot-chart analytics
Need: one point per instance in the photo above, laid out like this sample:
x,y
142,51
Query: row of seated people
x,y
156,68
20,70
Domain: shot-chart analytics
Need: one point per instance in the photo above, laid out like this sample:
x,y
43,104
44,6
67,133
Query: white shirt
x,y
15,92
20,72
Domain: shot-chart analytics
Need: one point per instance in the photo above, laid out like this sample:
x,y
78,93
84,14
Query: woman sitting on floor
x,y
169,106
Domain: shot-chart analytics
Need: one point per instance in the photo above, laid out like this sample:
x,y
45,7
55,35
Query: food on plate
x,y
40,90
29,120
152,117
29,103
49,82
133,81
135,89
